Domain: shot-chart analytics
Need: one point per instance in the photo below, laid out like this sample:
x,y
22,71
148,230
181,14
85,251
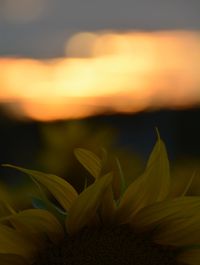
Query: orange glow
x,y
122,72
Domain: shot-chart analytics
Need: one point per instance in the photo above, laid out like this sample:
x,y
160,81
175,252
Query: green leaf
x,y
85,206
89,160
59,188
44,203
49,206
151,187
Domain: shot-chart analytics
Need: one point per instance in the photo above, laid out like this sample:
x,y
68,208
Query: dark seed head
x,y
106,246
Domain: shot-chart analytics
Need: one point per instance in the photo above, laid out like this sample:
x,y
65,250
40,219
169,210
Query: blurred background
x,y
96,74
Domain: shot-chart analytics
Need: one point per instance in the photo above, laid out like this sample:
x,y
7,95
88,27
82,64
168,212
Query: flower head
x,y
160,224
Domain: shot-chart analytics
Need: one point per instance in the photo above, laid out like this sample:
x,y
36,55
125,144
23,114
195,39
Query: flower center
x,y
117,245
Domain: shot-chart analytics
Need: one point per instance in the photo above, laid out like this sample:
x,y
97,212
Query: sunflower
x,y
149,221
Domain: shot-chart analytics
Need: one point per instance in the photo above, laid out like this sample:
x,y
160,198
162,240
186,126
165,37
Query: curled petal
x,y
60,188
89,160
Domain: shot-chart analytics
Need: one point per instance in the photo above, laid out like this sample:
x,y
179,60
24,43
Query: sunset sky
x,y
66,59
39,28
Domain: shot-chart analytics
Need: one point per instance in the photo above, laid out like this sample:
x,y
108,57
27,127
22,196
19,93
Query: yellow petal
x,y
5,200
4,211
151,187
89,160
182,232
12,259
119,184
85,206
14,242
107,207
158,172
95,221
190,257
180,187
166,211
60,188
38,223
